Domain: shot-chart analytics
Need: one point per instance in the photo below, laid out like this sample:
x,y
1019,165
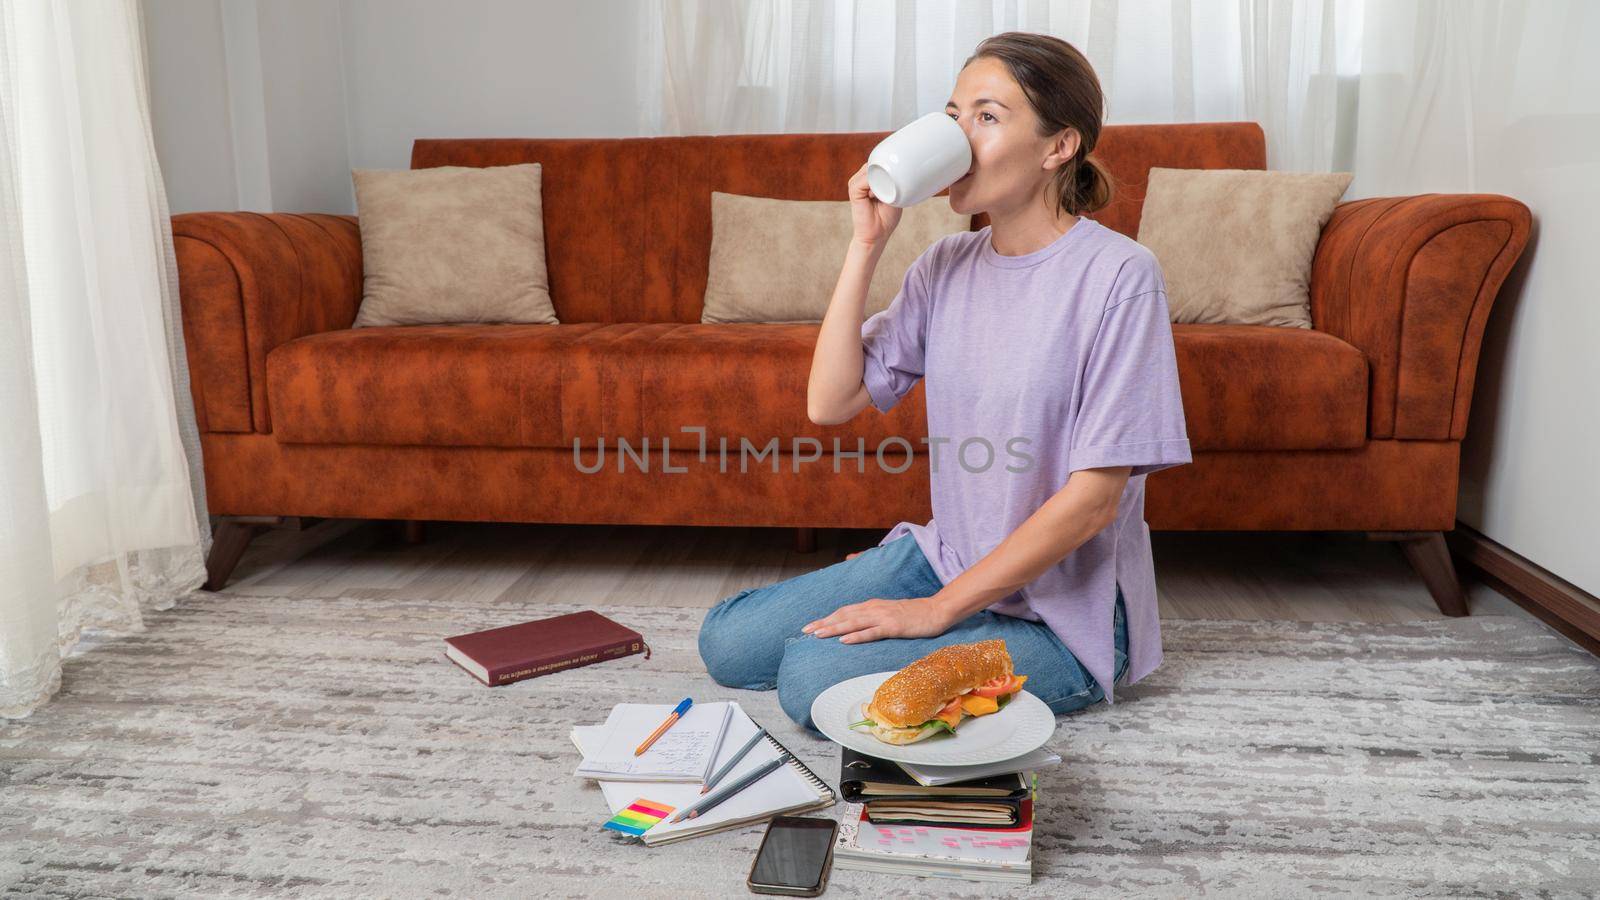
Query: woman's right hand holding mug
x,y
874,219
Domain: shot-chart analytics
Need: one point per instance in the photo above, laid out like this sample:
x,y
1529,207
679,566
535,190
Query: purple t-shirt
x,y
1036,366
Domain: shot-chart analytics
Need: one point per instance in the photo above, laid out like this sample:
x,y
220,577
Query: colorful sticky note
x,y
639,817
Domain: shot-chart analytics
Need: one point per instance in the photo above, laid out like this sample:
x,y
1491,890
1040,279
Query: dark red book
x,y
530,649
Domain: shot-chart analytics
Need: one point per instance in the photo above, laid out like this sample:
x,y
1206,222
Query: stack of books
x,y
971,822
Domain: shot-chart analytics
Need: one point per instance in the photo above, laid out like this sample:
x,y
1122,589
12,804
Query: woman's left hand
x,y
872,620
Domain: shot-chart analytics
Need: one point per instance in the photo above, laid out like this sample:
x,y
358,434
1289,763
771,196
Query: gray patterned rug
x,y
248,746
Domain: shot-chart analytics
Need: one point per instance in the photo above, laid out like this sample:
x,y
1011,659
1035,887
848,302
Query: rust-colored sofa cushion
x,y
724,376
450,385
1261,387
1249,387
548,385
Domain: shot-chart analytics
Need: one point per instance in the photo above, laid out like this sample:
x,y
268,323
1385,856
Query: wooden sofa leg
x,y
412,531
805,540
1429,556
233,534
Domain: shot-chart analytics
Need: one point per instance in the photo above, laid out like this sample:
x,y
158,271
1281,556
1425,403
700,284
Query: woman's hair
x,y
1065,93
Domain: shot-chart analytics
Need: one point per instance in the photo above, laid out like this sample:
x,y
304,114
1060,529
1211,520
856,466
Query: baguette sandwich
x,y
935,693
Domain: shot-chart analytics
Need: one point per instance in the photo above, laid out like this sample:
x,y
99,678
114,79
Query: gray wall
x,y
189,104
267,106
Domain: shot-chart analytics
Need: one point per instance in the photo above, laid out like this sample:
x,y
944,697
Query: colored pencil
x,y
755,775
661,729
760,733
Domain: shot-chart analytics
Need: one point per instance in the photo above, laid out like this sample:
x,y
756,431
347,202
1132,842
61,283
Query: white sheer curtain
x,y
750,66
1461,96
102,514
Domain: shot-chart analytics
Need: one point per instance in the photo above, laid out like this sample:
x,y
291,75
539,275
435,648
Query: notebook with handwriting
x,y
789,789
682,753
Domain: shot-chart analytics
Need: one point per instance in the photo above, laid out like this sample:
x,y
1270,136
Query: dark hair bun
x,y
1093,184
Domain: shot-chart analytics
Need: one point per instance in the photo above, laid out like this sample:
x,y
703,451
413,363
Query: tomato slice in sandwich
x,y
999,686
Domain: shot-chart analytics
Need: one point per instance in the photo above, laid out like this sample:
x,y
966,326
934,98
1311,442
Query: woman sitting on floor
x,y
1046,334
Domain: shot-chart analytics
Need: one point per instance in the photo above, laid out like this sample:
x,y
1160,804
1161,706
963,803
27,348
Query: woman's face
x,y
1011,162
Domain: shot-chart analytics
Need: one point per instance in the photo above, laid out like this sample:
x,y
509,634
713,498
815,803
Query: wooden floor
x,y
1306,576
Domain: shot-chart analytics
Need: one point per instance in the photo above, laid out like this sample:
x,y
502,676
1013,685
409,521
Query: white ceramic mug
x,y
919,160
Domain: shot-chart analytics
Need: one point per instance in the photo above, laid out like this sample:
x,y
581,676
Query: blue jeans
x,y
753,641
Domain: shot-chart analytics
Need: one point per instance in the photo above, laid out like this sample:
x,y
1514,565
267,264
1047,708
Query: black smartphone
x,y
795,855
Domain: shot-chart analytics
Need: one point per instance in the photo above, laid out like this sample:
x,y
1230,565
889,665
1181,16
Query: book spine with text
x,y
534,668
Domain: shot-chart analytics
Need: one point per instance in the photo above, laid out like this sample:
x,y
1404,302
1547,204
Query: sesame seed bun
x,y
916,693
889,734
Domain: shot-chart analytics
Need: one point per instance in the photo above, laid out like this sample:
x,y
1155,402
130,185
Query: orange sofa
x,y
1355,424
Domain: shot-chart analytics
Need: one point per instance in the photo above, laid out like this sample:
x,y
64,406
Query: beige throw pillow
x,y
453,244
1235,245
779,260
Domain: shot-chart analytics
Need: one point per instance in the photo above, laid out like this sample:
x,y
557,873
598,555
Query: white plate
x,y
1022,726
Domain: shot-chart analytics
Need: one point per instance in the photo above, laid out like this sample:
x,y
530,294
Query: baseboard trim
x,y
1560,604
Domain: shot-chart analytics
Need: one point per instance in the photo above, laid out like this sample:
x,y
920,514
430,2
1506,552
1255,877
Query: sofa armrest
x,y
249,282
1409,281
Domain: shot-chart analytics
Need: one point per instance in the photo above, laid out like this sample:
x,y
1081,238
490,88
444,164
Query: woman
x,y
1045,337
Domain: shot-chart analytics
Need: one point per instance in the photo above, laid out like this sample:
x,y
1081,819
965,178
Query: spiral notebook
x,y
790,789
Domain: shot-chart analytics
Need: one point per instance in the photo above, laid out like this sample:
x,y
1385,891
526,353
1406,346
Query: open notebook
x,y
684,753
789,789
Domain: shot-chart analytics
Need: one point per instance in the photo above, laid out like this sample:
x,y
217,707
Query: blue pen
x,y
662,728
